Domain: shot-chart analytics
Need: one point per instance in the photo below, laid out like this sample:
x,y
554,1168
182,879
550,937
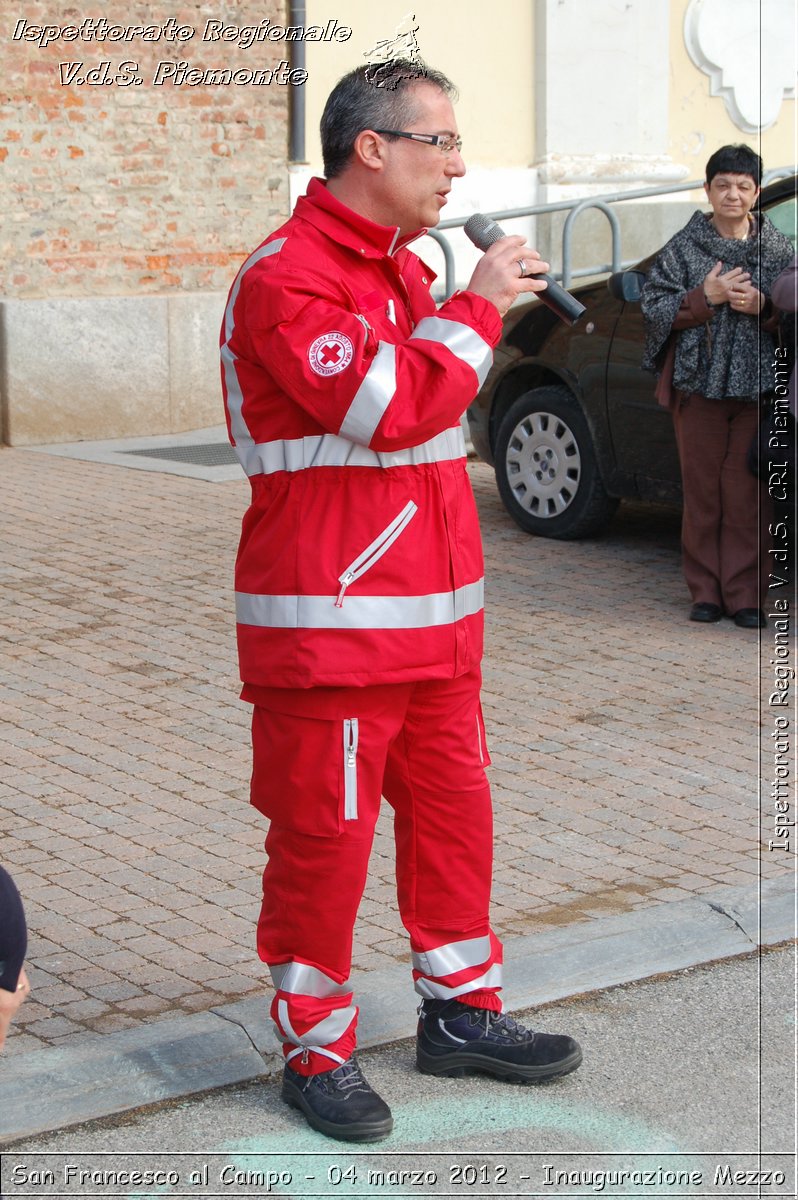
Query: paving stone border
x,y
53,1089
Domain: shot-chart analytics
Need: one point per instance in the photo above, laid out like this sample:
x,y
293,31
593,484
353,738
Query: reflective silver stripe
x,y
328,450
456,956
431,990
376,391
329,1029
318,1049
235,400
462,340
302,980
379,384
360,612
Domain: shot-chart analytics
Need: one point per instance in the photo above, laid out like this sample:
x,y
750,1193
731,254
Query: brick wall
x,y
132,189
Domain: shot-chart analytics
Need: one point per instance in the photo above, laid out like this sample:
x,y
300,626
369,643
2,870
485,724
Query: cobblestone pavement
x,y
624,741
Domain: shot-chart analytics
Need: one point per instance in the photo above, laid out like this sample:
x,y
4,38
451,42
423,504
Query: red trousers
x,y
724,513
320,770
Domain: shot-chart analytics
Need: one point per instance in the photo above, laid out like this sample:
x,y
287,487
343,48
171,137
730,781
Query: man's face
x,y
417,177
731,196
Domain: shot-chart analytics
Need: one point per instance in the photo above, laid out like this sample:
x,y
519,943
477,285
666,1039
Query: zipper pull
x,y
345,581
305,1056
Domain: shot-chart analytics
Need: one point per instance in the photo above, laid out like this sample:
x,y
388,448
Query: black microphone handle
x,y
566,306
483,232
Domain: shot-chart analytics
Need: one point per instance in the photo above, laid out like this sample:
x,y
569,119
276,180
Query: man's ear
x,y
369,150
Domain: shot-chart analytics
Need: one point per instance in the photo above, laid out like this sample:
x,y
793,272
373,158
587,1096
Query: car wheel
x,y
546,467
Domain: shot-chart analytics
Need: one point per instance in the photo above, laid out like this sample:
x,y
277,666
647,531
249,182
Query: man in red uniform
x,y
359,586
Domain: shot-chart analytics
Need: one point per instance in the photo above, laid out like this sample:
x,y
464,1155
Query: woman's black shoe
x,y
750,618
706,612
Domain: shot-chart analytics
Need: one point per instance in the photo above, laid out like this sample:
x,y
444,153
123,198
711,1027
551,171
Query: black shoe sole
x,y
356,1131
464,1062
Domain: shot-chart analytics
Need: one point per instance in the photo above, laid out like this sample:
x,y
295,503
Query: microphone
x,y
483,232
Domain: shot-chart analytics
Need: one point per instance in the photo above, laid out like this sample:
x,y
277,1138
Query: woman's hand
x,y
724,288
747,299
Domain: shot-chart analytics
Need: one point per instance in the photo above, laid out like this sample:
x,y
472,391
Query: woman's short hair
x,y
377,96
737,159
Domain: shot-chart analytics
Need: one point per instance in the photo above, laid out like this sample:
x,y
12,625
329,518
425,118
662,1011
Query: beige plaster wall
x,y
488,53
700,123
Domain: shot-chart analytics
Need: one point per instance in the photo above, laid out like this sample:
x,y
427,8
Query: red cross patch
x,y
330,353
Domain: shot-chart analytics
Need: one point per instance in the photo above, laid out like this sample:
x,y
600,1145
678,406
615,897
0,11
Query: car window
x,y
783,216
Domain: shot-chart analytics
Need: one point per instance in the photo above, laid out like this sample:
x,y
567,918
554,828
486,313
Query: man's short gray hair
x,y
377,96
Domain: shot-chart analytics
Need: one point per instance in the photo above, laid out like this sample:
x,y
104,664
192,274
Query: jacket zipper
x,y
350,768
480,743
373,553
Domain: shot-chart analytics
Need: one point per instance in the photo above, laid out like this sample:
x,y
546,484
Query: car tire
x,y
546,467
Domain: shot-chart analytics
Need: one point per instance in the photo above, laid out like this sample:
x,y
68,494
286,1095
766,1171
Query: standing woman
x,y
709,333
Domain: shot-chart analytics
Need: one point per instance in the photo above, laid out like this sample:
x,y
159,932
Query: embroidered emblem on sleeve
x,y
330,353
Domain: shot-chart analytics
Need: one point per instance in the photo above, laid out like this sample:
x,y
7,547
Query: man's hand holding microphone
x,y
509,268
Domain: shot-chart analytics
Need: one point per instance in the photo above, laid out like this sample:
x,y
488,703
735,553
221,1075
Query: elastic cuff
x,y
481,314
699,307
491,1000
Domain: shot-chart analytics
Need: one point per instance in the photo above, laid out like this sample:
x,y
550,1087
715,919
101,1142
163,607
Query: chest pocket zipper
x,y
350,768
373,553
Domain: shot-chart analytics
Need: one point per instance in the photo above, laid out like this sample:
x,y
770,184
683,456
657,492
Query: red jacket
x,y
360,559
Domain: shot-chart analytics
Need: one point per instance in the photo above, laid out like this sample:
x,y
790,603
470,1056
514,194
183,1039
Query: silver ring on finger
x,y
522,266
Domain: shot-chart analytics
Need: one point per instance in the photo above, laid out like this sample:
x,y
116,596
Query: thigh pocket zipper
x,y
350,768
373,553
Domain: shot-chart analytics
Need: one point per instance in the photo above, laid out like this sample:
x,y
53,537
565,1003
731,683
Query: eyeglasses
x,y
447,143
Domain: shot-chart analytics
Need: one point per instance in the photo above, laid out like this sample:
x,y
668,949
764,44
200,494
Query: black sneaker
x,y
339,1103
455,1039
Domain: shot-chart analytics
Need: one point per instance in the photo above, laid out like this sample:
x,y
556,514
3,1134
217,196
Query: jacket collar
x,y
320,208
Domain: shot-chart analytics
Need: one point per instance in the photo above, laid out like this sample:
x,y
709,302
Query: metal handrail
x,y
567,235
575,208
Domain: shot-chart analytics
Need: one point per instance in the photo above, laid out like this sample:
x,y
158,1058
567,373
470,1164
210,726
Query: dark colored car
x,y
567,417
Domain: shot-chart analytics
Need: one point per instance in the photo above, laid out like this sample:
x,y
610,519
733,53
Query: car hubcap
x,y
543,464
